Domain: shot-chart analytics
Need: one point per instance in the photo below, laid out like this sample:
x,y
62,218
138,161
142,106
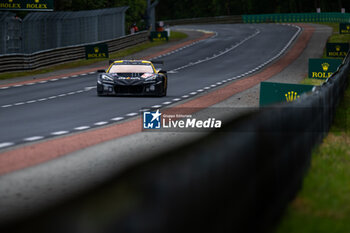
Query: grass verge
x,y
323,204
174,36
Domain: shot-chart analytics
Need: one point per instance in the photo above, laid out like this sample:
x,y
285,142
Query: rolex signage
x,y
29,5
271,93
96,51
323,68
159,36
337,49
344,28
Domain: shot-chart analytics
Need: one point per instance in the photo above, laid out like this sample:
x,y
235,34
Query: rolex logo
x,y
337,48
159,35
325,66
10,1
36,1
348,27
96,49
291,96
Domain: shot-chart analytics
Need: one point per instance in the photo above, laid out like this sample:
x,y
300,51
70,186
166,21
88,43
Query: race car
x,y
132,77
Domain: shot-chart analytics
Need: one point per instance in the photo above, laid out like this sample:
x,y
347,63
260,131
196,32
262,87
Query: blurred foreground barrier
x,y
20,62
238,179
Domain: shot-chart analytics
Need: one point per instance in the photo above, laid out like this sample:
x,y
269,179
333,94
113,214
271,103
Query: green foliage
x,y
169,9
134,14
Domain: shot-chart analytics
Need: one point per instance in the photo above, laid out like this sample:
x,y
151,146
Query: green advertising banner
x,y
96,51
29,5
344,28
323,68
271,93
337,49
159,36
297,17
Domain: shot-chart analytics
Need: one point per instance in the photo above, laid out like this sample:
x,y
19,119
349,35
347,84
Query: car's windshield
x,y
120,68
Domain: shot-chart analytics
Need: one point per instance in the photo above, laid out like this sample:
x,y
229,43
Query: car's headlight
x,y
150,78
106,78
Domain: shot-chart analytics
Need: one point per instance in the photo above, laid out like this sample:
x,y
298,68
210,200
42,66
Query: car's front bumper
x,y
151,88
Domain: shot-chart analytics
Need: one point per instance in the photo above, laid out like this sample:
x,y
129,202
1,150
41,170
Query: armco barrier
x,y
206,20
20,62
238,179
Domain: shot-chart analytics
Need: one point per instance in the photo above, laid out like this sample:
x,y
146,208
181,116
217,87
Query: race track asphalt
x,y
54,108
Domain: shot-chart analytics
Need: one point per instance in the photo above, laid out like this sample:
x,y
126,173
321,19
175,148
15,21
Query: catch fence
x,y
41,31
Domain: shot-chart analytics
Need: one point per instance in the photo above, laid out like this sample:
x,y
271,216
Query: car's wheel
x,y
165,88
99,90
163,91
100,93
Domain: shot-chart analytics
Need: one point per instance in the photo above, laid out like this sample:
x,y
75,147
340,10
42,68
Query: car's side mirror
x,y
101,71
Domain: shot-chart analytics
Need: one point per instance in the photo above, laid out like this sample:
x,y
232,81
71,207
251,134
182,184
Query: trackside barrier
x,y
267,18
297,18
238,179
206,20
20,62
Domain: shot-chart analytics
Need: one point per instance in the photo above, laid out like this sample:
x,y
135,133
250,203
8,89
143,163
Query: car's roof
x,y
132,62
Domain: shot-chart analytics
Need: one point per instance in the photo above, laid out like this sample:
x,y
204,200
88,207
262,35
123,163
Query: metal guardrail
x,y
20,62
40,31
206,20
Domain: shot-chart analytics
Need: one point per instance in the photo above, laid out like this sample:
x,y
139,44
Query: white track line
x,y
59,133
131,114
101,123
82,128
35,138
6,144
